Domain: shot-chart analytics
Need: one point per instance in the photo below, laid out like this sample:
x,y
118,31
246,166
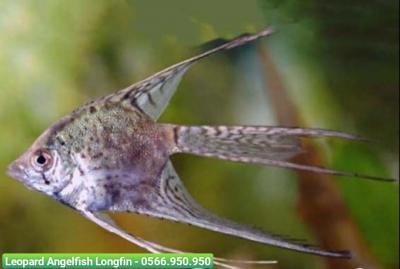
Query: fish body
x,y
110,154
95,148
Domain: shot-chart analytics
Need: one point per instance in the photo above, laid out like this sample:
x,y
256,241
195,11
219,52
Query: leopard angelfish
x,y
110,155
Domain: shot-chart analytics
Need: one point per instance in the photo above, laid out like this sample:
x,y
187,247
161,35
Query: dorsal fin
x,y
152,94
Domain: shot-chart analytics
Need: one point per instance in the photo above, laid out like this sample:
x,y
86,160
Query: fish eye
x,y
42,159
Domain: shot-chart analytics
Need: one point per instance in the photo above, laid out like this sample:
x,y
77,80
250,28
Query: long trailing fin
x,y
256,144
152,94
170,200
104,221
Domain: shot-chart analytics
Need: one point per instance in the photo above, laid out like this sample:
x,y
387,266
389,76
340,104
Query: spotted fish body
x,y
110,154
110,146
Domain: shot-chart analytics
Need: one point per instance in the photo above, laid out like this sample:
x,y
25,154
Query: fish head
x,y
44,166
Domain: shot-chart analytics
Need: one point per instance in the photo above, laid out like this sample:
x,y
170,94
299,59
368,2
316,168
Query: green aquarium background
x,y
337,62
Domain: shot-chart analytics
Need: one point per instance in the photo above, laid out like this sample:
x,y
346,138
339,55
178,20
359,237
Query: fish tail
x,y
256,144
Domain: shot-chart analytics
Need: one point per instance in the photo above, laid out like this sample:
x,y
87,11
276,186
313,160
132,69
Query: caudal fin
x,y
256,144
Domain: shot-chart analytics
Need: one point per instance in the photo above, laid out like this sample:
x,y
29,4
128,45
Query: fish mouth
x,y
16,171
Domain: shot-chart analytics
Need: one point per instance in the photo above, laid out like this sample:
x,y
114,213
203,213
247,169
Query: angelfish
x,y
111,155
